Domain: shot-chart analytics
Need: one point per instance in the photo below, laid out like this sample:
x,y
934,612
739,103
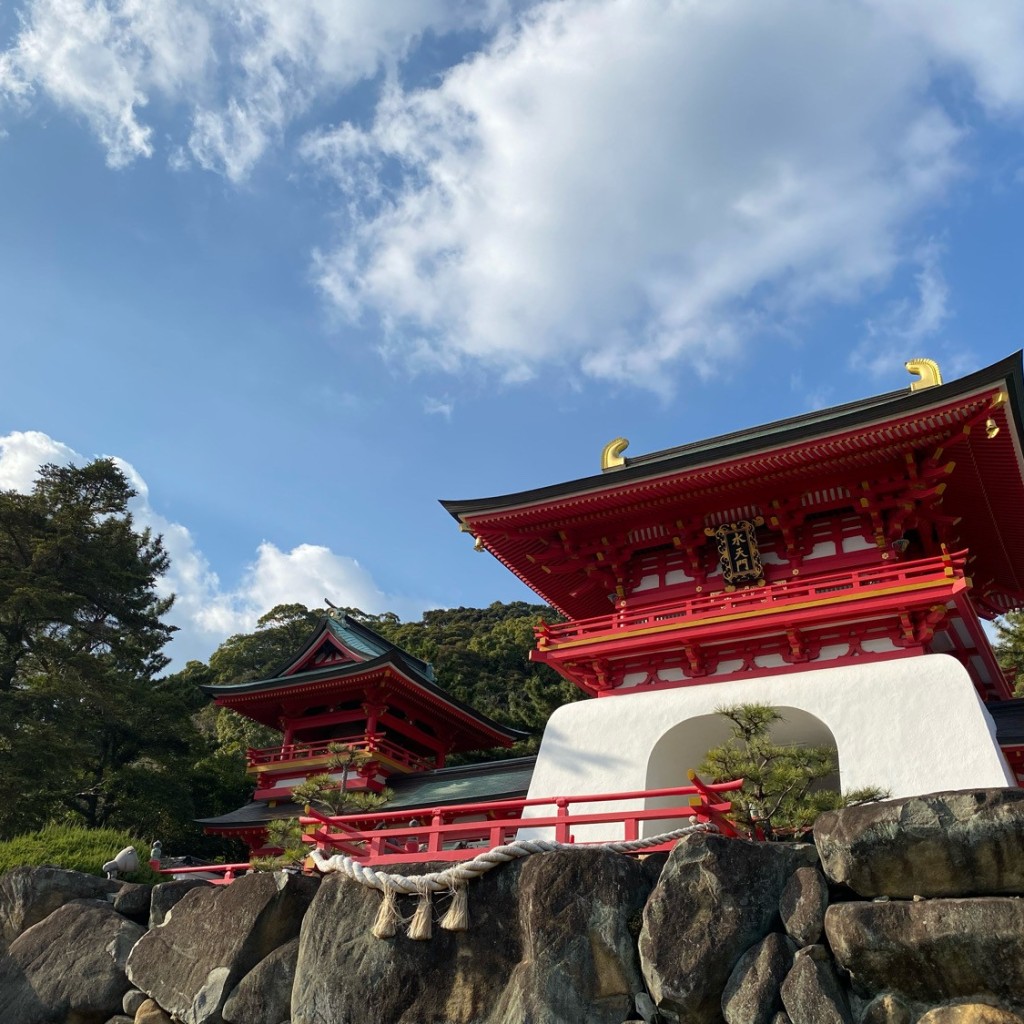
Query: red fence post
x,y
434,839
562,828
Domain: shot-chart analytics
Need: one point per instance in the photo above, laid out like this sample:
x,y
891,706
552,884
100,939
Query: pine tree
x,y
780,795
84,732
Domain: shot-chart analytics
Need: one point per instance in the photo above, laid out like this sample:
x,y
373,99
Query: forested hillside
x,y
95,732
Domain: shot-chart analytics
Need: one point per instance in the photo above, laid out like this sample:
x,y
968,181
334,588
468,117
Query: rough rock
x,y
69,967
27,895
133,901
133,999
549,943
167,894
969,1013
150,1012
264,995
803,904
811,992
716,898
963,843
121,1018
752,992
886,1009
933,951
191,964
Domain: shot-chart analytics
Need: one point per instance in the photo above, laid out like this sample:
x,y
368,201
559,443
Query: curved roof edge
x,y
395,658
763,437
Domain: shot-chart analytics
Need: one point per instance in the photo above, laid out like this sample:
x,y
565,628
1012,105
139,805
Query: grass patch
x,y
77,849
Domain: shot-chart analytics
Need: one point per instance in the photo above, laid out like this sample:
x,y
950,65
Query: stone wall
x,y
911,913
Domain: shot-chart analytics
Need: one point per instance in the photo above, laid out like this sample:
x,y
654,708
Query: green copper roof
x,y
469,783
359,637
367,643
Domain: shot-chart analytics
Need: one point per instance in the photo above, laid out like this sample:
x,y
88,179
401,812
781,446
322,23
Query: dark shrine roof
x,y
385,663
464,784
754,464
777,434
354,672
359,639
1009,718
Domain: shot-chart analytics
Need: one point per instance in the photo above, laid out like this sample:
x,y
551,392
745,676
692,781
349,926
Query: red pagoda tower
x,y
348,685
837,564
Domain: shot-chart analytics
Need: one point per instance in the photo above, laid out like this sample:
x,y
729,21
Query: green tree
x,y
279,634
327,795
781,795
82,724
1009,648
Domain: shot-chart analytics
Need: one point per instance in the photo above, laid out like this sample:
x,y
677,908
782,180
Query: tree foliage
x,y
85,732
327,795
1009,648
481,656
91,733
781,793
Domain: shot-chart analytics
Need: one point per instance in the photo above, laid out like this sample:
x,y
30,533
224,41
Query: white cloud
x,y
306,574
204,611
616,187
620,185
103,61
983,39
439,407
897,333
241,70
23,452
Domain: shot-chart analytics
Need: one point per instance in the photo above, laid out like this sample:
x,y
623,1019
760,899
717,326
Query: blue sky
x,y
306,267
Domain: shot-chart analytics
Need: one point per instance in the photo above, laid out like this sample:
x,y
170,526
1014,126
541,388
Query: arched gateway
x,y
837,564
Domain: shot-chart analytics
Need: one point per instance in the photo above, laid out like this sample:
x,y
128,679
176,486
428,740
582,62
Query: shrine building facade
x,y
347,686
836,565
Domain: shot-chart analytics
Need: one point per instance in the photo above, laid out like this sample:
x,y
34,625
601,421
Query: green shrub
x,y
76,848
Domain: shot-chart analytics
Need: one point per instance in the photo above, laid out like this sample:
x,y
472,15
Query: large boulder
x,y
752,993
134,901
803,904
549,942
167,894
887,1009
932,951
811,992
214,937
716,898
27,895
969,1013
945,844
69,967
264,995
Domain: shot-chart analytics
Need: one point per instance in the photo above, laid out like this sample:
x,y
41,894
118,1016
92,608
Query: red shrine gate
x,y
844,541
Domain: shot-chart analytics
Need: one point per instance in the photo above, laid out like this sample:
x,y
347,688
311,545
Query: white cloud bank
x,y
205,611
616,187
241,70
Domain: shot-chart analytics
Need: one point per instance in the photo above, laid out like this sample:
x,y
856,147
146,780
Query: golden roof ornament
x,y
611,454
926,371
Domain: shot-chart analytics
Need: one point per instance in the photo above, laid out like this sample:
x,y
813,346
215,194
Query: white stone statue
x,y
127,860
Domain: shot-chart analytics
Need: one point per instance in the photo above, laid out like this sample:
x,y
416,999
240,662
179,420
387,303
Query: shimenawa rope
x,y
455,879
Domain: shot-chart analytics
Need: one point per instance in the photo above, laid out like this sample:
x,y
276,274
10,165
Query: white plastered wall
x,y
911,726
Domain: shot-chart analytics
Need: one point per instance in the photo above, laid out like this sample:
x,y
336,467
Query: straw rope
x,y
455,880
467,871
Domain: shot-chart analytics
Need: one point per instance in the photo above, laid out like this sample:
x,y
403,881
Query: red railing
x,y
226,873
403,837
776,597
296,753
